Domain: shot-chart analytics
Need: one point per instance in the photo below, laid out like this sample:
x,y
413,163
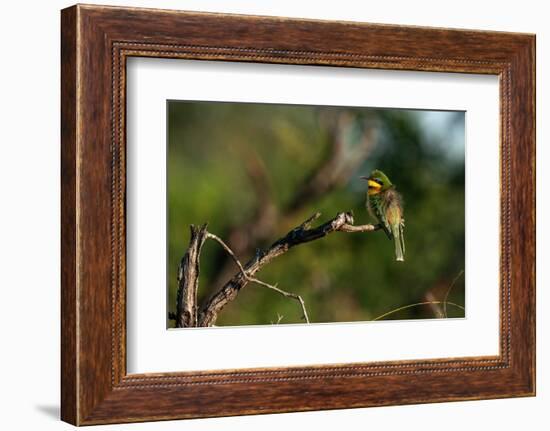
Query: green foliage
x,y
343,277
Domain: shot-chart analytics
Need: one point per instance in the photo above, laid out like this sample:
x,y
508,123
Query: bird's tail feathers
x,y
399,242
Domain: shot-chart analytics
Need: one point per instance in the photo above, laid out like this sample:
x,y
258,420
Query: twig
x,y
255,280
449,291
227,249
415,305
307,224
286,294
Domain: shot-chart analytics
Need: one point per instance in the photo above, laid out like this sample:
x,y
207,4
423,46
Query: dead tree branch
x,y
188,279
343,222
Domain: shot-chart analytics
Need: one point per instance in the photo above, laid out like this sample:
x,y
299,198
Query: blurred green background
x,y
255,171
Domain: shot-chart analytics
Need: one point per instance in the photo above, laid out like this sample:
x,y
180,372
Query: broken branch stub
x,y
188,279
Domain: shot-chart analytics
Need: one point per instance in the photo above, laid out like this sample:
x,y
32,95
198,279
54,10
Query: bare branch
x,y
188,279
279,318
343,222
361,228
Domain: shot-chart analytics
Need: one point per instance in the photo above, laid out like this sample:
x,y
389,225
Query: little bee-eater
x,y
386,205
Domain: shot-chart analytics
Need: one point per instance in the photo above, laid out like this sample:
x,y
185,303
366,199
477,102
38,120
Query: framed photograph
x,y
267,215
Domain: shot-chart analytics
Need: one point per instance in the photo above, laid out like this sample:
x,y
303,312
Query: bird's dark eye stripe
x,y
378,181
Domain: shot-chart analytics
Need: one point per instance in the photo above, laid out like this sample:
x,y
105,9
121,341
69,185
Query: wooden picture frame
x,y
95,43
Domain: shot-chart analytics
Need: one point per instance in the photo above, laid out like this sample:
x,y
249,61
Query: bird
x,y
385,204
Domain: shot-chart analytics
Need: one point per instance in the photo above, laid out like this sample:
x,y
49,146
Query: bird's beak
x,y
364,178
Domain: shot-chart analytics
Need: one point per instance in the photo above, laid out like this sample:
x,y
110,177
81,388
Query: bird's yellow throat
x,y
374,187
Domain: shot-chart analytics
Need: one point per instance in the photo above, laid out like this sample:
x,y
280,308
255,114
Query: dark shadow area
x,y
52,411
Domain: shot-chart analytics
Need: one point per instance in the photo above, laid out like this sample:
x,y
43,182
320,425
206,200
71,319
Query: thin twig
x,y
228,250
307,224
284,293
415,305
449,291
279,318
255,280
